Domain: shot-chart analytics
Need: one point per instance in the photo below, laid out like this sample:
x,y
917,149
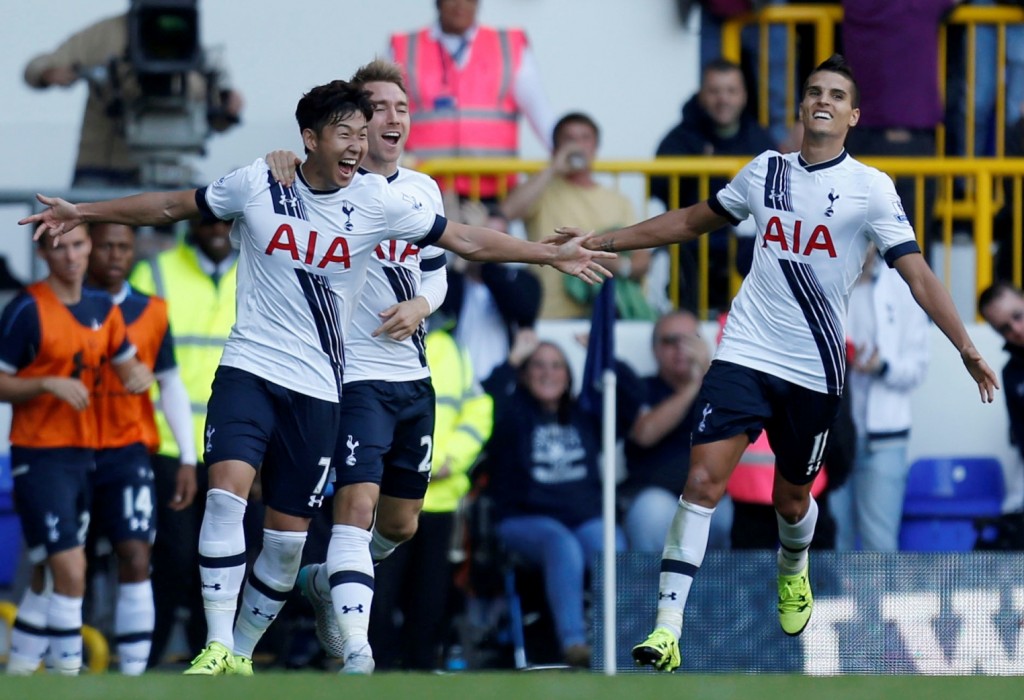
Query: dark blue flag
x,y
600,348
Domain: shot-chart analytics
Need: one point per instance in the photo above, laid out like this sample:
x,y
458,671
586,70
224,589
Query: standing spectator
x,y
545,480
714,123
55,339
123,483
901,109
104,157
468,85
564,192
197,280
659,439
890,335
413,585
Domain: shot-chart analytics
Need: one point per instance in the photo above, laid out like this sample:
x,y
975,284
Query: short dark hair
x,y
574,118
329,104
719,65
837,64
994,291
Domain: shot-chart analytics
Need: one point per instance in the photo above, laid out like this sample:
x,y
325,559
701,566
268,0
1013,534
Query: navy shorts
x,y
386,436
288,435
51,495
123,493
734,399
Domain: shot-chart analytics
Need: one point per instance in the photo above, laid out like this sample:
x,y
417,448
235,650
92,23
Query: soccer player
x,y
274,403
55,339
382,461
122,484
781,362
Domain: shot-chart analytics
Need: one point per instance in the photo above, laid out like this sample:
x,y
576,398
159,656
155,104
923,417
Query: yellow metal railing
x,y
983,175
824,19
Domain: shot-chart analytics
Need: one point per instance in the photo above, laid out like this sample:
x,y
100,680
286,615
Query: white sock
x,y
380,546
795,538
29,638
685,545
350,571
133,626
272,579
64,622
221,563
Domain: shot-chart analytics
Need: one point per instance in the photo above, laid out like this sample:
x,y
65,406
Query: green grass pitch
x,y
536,685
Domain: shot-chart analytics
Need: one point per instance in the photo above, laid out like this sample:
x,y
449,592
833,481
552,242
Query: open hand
x,y
184,487
70,391
574,259
981,373
60,217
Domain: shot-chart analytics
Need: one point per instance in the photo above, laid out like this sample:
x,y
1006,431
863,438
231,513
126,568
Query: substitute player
x,y
304,252
123,489
55,340
781,363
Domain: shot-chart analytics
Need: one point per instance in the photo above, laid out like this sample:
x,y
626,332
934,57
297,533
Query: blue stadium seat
x,y
10,528
945,495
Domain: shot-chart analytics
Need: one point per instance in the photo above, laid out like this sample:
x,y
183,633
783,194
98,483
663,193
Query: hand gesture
x,y
70,391
981,373
283,165
184,487
401,320
700,357
564,234
573,259
526,341
59,218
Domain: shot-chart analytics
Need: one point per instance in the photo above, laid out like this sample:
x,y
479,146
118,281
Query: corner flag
x,y
600,348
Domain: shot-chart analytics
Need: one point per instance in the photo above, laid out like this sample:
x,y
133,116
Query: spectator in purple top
x,y
900,109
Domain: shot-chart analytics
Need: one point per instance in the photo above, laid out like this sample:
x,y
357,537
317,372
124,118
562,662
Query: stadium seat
x,y
944,497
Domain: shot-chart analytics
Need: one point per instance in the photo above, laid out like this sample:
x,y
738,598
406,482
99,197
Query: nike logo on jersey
x,y
335,251
820,238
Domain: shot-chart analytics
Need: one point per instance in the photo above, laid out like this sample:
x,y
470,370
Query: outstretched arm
x,y
935,300
148,209
487,245
675,226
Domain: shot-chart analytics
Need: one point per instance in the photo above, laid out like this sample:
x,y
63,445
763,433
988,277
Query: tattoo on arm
x,y
608,245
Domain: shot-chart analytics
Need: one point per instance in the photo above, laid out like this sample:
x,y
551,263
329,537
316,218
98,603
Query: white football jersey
x,y
394,275
301,266
814,223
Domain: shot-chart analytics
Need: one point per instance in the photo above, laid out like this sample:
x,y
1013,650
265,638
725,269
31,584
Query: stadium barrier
x,y
929,614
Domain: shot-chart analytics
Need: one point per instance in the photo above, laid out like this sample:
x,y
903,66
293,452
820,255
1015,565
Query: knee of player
x,y
704,487
133,561
399,530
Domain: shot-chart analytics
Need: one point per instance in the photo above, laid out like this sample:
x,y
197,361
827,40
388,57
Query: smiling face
x,y
389,127
335,152
112,256
546,375
826,109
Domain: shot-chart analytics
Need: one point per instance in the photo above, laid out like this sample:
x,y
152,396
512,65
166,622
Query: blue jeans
x,y
870,505
563,555
650,515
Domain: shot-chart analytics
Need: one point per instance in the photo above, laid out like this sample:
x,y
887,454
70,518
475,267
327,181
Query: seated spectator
x,y
889,334
657,447
545,480
714,123
566,193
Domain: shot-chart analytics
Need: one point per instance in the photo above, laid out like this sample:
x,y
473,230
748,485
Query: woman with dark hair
x,y
545,480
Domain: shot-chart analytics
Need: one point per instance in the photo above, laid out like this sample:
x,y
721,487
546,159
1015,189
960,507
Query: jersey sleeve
x,y
732,201
19,334
410,219
887,223
165,361
120,348
227,198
